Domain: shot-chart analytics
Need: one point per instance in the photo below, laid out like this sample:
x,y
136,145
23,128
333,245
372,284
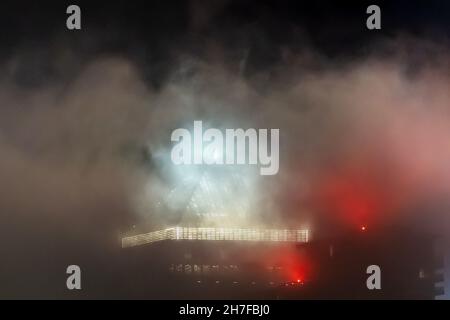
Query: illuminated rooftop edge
x,y
221,234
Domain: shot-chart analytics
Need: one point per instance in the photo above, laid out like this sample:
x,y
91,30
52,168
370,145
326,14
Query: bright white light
x,y
207,191
217,234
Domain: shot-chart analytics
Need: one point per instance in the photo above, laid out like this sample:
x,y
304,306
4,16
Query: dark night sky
x,y
148,32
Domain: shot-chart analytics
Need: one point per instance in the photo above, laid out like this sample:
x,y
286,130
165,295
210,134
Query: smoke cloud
x,y
83,159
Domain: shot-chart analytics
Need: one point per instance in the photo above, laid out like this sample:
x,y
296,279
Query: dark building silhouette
x,y
333,268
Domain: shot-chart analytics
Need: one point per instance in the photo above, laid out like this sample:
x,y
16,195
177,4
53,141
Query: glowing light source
x,y
224,234
363,228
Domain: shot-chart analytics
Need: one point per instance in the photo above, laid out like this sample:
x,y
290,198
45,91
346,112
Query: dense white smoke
x,y
84,159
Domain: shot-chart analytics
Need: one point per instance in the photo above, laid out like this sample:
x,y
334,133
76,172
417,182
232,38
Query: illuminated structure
x,y
208,262
224,263
213,252
217,234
